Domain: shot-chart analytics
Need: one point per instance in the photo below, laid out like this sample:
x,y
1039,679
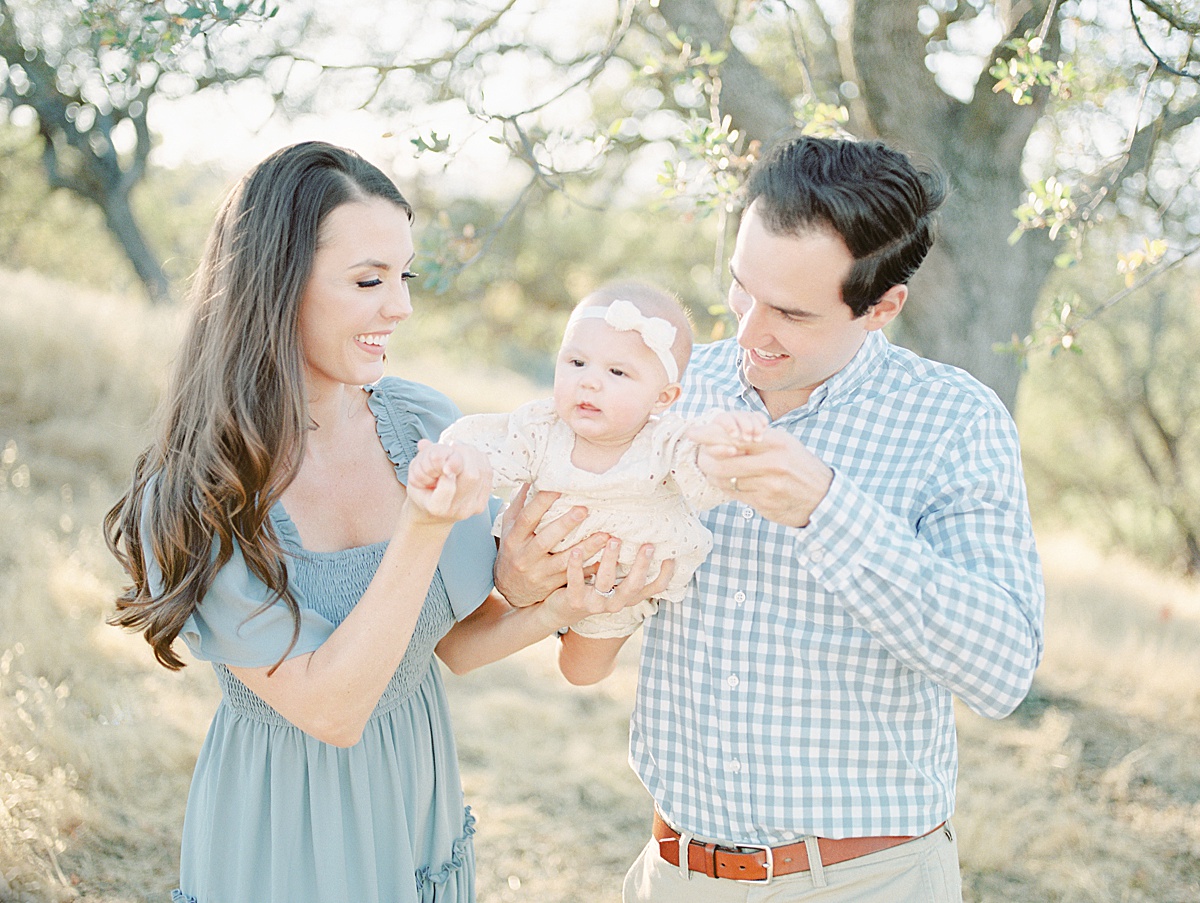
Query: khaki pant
x,y
924,870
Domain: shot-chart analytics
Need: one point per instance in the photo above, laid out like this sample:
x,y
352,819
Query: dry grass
x,y
1091,792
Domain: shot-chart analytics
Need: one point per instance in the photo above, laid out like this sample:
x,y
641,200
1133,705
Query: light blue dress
x,y
276,815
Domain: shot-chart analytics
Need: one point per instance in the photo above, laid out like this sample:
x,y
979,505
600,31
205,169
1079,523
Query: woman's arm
x,y
497,629
331,692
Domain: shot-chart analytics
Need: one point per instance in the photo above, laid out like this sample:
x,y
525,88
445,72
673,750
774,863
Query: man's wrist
x,y
512,595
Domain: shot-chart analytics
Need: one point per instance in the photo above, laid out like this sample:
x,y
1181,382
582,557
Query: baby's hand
x,y
742,427
730,432
448,482
426,467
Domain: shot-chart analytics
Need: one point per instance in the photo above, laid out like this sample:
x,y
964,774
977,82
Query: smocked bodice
x,y
330,583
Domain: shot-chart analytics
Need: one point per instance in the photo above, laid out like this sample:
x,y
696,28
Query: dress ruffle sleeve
x,y
514,443
670,440
406,412
231,624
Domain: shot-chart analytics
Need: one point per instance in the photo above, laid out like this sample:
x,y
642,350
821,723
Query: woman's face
x,y
356,295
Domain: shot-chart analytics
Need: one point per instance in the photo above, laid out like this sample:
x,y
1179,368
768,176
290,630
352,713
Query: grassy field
x,y
1090,792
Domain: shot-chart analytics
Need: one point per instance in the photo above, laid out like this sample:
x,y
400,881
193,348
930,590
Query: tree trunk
x,y
85,161
121,222
758,108
975,291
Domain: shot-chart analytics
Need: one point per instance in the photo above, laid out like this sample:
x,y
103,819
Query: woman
x,y
273,527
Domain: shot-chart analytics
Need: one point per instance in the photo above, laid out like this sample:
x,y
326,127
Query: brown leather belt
x,y
748,862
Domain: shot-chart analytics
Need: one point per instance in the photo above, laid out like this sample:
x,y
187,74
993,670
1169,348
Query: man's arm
x,y
959,598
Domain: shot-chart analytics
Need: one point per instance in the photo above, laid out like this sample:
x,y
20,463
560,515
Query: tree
x,y
1114,439
722,75
887,62
90,75
916,73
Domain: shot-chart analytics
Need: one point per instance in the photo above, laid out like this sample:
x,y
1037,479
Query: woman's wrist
x,y
550,616
414,521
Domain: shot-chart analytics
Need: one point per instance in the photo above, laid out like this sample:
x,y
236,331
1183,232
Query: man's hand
x,y
768,469
527,567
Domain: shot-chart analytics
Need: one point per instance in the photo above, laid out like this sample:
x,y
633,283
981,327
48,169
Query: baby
x,y
607,441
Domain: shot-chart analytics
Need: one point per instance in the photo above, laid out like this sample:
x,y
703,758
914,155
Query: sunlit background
x,y
547,146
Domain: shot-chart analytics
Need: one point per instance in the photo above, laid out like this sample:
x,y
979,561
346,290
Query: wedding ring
x,y
607,595
733,484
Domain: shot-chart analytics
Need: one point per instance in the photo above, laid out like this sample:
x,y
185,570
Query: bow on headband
x,y
623,315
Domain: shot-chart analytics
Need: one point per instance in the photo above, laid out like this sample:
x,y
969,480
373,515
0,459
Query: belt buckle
x,y
770,863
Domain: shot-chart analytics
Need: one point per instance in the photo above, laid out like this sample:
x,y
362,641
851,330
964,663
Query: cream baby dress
x,y
650,495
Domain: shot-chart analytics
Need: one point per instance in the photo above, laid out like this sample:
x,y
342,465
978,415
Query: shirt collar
x,y
841,385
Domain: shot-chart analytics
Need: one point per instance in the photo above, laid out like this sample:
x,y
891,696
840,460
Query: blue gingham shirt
x,y
804,686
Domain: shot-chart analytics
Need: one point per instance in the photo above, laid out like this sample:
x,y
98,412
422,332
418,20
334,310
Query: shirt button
x,y
747,513
735,766
739,597
816,552
732,680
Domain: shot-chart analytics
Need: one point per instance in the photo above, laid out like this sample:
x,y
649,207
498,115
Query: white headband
x,y
623,315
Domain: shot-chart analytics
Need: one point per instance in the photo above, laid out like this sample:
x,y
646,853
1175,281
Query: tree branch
x,y
1140,148
844,70
1170,16
1120,296
993,113
144,142
755,106
1137,27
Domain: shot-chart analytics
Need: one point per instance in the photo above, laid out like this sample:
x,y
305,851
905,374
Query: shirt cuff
x,y
836,544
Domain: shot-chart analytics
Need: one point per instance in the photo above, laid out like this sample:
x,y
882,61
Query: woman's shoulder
x,y
399,397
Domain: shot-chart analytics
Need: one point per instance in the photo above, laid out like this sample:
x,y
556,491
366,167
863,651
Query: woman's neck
x,y
333,410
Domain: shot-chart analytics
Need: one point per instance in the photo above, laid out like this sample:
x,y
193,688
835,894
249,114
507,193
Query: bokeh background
x,y
548,146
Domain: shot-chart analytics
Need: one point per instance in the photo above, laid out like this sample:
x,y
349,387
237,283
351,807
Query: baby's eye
x,y
370,283
408,274
575,362
617,371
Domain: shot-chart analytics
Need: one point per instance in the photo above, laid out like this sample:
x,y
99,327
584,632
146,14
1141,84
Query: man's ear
x,y
886,308
667,397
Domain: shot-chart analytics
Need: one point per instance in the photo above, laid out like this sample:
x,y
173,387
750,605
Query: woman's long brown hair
x,y
230,430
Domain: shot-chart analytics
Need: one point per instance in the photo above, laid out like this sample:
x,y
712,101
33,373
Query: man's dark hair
x,y
871,195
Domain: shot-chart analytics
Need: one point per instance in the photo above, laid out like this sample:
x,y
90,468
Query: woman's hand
x,y
583,596
447,483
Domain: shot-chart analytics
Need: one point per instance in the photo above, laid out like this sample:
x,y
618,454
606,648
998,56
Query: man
x,y
794,719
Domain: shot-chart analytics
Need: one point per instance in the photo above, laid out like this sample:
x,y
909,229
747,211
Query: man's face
x,y
792,323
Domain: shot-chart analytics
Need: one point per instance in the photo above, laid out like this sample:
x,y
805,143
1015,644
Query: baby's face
x,y
607,383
